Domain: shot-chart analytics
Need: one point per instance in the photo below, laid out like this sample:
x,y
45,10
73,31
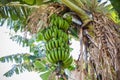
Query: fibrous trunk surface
x,y
106,56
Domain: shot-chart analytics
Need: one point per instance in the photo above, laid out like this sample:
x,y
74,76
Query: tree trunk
x,y
106,57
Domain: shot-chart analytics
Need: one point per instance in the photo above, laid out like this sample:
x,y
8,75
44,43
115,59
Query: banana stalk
x,y
81,13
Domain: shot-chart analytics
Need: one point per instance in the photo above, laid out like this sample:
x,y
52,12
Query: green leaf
x,y
29,1
39,37
39,65
15,15
2,22
38,2
4,1
32,57
9,73
71,67
45,76
74,32
69,19
2,59
26,58
16,70
16,28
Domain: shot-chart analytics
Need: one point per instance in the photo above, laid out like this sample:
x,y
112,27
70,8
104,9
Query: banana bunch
x,y
59,22
57,47
55,43
55,33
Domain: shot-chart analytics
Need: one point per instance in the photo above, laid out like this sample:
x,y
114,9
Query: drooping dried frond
x,y
107,36
38,20
108,42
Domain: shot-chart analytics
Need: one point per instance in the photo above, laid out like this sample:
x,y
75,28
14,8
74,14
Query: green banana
x,y
60,55
56,55
45,38
55,21
67,62
53,57
52,44
49,45
53,34
50,33
58,33
52,19
59,22
50,28
61,42
66,25
56,43
66,55
47,48
46,35
62,24
66,37
49,58
66,46
63,54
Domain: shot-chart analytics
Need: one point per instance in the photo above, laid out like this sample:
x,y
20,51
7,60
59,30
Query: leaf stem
x,y
81,13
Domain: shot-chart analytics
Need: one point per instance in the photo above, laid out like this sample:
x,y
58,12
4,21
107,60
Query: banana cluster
x,y
57,47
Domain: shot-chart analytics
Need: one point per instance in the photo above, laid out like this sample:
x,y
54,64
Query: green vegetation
x,y
52,24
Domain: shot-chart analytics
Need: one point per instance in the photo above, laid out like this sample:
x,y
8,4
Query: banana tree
x,y
90,22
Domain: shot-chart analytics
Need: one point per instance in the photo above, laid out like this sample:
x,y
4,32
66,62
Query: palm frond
x,y
25,62
18,58
31,2
15,16
21,40
37,48
20,68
